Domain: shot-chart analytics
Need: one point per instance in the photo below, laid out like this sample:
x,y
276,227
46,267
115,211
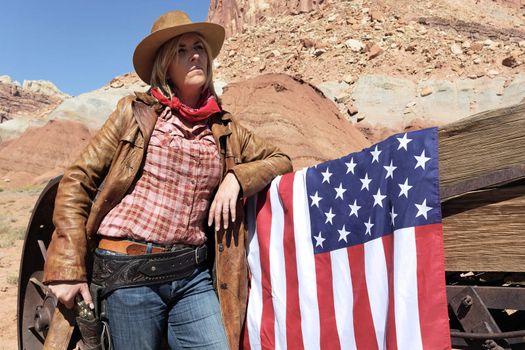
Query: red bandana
x,y
207,106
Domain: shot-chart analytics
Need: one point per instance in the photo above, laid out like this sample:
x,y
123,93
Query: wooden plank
x,y
486,147
485,231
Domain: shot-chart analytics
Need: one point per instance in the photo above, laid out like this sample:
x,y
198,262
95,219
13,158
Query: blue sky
x,y
79,45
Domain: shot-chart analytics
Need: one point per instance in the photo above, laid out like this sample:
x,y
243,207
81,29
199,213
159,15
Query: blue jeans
x,y
187,310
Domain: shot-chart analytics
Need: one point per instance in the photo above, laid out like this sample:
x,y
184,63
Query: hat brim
x,y
146,50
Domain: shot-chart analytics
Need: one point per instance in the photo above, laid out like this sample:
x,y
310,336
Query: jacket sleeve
x,y
260,161
66,253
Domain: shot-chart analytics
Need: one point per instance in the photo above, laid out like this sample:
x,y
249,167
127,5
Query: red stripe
x,y
364,330
264,224
325,298
432,297
294,334
388,246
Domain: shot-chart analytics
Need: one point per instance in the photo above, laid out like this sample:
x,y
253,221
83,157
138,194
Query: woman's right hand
x,y
67,291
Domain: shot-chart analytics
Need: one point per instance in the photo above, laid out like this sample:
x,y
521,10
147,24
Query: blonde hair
x,y
169,52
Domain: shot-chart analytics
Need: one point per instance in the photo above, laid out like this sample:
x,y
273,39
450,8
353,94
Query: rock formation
x,y
41,153
235,15
294,116
25,105
34,98
393,60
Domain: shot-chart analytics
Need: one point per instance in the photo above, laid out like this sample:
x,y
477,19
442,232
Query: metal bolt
x,y
153,268
467,301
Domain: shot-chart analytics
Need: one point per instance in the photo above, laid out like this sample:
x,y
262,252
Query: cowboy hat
x,y
166,27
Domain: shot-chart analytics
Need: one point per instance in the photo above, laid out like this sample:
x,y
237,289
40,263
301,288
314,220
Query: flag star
x,y
422,209
378,198
319,240
421,160
315,199
350,166
343,233
354,208
404,188
329,217
340,190
326,176
365,181
403,142
369,226
393,215
375,155
389,170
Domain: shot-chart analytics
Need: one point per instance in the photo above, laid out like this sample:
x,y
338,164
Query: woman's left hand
x,y
225,202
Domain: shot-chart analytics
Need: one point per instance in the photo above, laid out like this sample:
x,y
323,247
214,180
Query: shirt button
x,y
221,247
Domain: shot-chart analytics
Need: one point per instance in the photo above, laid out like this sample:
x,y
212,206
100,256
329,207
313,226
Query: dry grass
x,y
15,210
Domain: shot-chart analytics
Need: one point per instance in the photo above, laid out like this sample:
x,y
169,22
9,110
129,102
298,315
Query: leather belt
x,y
112,272
128,247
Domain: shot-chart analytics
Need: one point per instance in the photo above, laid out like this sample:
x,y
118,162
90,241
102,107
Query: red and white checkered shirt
x,y
169,202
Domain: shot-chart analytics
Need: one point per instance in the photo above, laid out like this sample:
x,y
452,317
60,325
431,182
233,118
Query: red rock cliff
x,y
234,15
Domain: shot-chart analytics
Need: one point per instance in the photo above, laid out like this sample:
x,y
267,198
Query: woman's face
x,y
188,69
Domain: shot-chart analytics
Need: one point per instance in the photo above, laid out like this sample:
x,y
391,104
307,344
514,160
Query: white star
x,y
403,142
389,170
329,217
350,166
326,176
378,198
393,215
369,226
315,199
375,155
319,240
354,208
422,209
343,233
366,182
421,160
404,188
340,190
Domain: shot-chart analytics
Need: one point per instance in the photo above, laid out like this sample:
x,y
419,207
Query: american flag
x,y
348,254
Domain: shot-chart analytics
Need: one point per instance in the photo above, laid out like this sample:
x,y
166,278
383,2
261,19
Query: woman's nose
x,y
194,54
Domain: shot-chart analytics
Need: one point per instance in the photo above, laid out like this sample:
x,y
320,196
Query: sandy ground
x,y
15,211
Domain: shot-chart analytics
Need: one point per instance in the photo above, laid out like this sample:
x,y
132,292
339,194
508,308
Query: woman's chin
x,y
195,84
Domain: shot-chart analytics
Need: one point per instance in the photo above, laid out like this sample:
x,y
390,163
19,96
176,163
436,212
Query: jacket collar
x,y
150,108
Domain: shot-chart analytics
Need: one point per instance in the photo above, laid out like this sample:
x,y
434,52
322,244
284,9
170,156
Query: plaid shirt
x,y
169,202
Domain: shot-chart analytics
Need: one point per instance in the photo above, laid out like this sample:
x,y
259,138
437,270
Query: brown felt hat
x,y
166,27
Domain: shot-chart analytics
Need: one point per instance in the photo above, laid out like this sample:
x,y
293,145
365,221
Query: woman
x,y
165,164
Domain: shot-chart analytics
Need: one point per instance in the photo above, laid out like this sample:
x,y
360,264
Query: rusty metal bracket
x,y
472,314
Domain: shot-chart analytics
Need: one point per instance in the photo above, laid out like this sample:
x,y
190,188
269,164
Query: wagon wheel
x,y
35,304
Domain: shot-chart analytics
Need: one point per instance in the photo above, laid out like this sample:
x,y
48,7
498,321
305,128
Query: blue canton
x,y
366,195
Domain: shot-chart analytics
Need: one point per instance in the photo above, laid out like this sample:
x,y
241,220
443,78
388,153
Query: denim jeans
x,y
186,310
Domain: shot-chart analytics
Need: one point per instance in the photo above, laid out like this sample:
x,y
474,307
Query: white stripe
x,y
305,264
408,332
343,298
254,313
277,268
376,275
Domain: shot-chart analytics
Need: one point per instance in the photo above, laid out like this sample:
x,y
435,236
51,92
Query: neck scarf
x,y
206,107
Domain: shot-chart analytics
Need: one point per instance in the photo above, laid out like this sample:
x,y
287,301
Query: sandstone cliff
x,y
235,15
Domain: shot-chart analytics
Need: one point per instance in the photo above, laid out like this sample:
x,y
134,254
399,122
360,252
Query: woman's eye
x,y
181,50
199,47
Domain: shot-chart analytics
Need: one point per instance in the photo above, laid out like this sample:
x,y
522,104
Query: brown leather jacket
x,y
113,158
